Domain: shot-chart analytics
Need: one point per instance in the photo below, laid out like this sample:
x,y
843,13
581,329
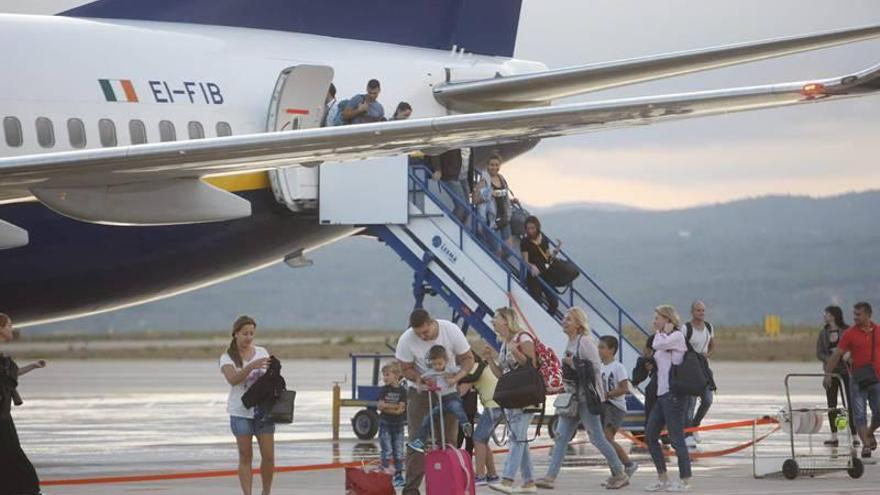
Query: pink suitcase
x,y
448,470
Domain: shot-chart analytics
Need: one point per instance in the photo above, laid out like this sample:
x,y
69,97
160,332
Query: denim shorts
x,y
486,424
612,416
862,399
249,426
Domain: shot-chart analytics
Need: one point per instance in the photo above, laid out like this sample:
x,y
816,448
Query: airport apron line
x,y
341,465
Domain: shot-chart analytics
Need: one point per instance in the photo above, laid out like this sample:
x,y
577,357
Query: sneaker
x,y
526,489
691,443
545,483
418,445
678,486
697,437
659,486
631,468
480,481
617,481
866,452
492,479
501,487
467,429
398,480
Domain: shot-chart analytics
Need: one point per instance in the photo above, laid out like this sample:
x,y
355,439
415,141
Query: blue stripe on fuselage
x,y
486,27
72,267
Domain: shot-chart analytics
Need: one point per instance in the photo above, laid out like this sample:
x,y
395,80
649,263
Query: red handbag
x,y
361,482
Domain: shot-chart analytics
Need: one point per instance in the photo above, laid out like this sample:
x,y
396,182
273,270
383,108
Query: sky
x,y
817,150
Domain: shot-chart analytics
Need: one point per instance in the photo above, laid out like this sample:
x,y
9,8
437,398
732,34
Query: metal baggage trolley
x,y
804,421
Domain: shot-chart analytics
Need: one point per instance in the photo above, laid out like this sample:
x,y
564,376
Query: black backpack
x,y
690,330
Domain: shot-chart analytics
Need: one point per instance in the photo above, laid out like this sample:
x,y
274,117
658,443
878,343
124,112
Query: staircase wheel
x,y
857,469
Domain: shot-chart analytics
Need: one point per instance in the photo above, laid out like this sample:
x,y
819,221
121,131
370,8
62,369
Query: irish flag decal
x,y
118,90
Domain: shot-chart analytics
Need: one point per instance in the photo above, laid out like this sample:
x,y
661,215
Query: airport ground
x,y
97,418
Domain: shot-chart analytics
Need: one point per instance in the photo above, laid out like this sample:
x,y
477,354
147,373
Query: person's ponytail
x,y
240,323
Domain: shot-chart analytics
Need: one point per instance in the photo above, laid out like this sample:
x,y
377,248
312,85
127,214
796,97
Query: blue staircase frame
x,y
481,233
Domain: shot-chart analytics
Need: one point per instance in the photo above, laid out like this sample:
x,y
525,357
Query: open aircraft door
x,y
298,103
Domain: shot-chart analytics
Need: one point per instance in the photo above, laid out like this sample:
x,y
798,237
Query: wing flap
x,y
540,88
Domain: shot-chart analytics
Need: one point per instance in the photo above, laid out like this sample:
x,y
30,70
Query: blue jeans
x,y
860,401
566,428
518,459
451,404
391,440
669,412
458,189
695,415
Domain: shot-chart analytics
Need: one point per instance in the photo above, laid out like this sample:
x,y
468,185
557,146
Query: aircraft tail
x,y
486,27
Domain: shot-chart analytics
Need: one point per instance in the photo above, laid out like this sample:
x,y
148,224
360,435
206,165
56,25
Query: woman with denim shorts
x,y
483,381
242,364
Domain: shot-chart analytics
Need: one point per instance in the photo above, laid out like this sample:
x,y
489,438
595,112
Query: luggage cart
x,y
807,421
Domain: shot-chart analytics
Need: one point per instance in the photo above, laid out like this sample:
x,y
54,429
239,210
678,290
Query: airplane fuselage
x,y
77,84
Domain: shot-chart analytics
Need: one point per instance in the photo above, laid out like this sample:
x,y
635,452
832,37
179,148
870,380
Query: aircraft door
x,y
298,103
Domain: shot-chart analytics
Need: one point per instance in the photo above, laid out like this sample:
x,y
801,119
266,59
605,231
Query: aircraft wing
x,y
157,174
540,88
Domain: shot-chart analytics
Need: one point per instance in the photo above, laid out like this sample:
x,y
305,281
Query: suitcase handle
x,y
442,422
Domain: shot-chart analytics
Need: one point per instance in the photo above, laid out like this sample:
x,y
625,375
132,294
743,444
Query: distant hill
x,y
783,255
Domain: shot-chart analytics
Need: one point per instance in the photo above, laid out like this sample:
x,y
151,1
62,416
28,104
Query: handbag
x,y
518,216
281,410
566,405
561,273
520,387
586,381
359,481
866,376
690,377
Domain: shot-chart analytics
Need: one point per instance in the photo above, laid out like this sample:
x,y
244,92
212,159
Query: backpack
x,y
690,330
549,366
340,108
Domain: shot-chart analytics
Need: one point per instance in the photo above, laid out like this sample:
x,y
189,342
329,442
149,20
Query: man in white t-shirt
x,y
423,333
698,331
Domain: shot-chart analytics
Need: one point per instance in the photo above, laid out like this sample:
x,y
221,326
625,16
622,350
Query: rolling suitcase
x,y
448,470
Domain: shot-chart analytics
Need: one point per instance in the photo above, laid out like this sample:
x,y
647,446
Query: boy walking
x,y
392,411
616,382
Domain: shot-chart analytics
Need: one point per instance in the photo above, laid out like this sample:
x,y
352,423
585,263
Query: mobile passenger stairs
x,y
474,272
463,262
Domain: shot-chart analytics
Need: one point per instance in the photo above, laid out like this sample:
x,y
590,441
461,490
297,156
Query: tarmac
x,y
582,473
167,418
